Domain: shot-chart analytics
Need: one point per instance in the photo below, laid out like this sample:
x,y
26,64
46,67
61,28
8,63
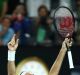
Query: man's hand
x,y
13,44
67,43
58,62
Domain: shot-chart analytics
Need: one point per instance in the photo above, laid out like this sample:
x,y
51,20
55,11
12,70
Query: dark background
x,y
11,5
47,54
54,4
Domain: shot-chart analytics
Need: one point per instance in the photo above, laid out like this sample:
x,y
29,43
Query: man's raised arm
x,y
12,46
58,62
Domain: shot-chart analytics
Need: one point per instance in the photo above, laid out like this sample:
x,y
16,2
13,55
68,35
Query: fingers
x,y
13,38
68,39
68,42
67,35
17,42
13,42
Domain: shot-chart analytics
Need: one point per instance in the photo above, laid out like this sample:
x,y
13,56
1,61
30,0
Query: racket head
x,y
64,21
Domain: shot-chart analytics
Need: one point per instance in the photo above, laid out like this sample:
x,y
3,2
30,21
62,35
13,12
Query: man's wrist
x,y
11,55
64,48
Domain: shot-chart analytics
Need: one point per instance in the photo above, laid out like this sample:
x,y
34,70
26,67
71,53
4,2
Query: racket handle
x,y
70,59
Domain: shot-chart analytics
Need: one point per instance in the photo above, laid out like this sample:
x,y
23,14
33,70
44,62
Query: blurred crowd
x,y
31,31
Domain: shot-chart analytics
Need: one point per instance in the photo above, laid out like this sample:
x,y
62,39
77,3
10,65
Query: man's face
x,y
6,23
43,12
20,9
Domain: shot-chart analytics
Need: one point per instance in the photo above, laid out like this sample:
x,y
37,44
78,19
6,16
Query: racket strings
x,y
64,21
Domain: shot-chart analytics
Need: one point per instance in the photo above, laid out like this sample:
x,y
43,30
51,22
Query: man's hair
x,y
6,17
25,9
43,7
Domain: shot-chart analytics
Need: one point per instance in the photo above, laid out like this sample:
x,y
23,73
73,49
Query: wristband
x,y
11,55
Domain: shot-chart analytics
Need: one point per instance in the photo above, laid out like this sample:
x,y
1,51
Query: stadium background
x,y
47,54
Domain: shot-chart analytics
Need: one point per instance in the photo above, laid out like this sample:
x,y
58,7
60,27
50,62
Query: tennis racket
x,y
65,23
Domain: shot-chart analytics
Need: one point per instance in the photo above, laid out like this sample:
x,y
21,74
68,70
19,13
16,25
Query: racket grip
x,y
70,59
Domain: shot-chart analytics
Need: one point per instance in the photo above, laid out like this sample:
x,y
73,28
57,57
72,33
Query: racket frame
x,y
69,50
55,19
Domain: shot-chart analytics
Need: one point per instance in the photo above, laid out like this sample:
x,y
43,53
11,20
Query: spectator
x,y
46,34
43,22
3,8
21,9
22,25
6,33
43,15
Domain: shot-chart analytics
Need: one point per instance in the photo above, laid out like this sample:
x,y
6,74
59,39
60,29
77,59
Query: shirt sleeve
x,y
17,26
8,36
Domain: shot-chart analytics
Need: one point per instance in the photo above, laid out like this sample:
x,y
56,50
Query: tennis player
x,y
12,47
